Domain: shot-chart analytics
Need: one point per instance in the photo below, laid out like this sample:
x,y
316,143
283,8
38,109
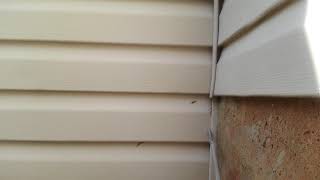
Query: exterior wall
x,y
269,138
105,89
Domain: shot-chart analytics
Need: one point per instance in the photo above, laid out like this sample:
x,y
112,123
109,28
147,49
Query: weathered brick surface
x,y
269,138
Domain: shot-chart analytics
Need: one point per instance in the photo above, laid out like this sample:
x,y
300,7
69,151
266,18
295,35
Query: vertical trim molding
x,y
213,162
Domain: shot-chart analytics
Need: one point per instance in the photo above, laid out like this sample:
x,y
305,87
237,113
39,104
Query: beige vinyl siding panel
x,y
104,67
178,22
51,161
238,15
53,116
278,58
105,89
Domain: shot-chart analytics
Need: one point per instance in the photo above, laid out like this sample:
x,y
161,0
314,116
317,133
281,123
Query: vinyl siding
x,y
57,116
105,89
83,161
104,67
178,22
